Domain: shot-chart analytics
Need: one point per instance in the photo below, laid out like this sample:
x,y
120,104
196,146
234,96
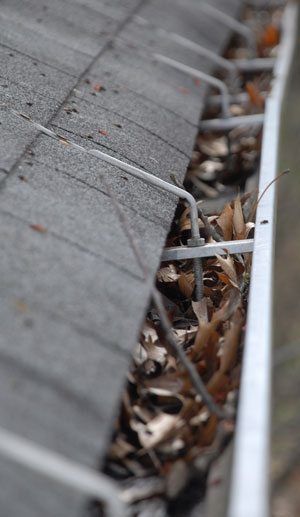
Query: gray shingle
x,y
73,298
60,21
36,75
53,499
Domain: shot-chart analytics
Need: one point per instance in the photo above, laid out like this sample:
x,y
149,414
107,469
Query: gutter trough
x,y
249,493
249,487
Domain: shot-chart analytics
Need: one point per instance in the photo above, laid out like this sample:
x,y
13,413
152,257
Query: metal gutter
x,y
249,493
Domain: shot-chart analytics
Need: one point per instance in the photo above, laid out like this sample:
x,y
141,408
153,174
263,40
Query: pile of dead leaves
x,y
166,435
164,424
221,161
266,26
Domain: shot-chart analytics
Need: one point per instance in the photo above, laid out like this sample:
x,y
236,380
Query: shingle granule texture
x,y
73,298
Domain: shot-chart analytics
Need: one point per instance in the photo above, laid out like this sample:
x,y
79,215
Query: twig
x,y
252,212
125,224
209,227
180,354
176,181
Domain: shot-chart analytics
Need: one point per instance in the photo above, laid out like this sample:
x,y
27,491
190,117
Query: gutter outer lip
x,y
249,488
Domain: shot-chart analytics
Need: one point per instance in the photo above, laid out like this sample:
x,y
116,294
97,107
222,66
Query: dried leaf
x,y
135,468
217,383
227,264
149,333
158,430
236,110
249,227
200,309
201,418
160,392
97,87
231,343
142,413
207,190
185,221
238,219
166,381
203,336
155,353
186,284
208,432
23,178
225,222
168,274
185,335
255,96
139,354
270,36
38,228
121,448
228,307
213,146
208,170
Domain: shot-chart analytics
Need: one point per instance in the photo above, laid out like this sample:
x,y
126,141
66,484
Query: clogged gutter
x,y
166,436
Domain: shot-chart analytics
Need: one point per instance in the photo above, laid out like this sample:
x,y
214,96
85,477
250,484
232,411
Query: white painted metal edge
x,y
61,470
207,250
249,492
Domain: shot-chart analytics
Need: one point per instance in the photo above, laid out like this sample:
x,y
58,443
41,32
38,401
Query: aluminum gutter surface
x,y
249,494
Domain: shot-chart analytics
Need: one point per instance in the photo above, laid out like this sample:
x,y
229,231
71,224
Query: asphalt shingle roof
x,y
72,299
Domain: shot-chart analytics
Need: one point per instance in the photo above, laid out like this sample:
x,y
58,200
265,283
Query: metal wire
x,y
184,42
56,467
220,124
208,250
231,23
239,98
142,175
261,64
209,79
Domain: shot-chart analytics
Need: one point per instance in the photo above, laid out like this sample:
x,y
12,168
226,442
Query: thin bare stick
x,y
209,227
252,213
125,225
176,181
188,365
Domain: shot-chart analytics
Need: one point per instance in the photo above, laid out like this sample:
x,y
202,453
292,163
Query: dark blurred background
x,y
286,393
